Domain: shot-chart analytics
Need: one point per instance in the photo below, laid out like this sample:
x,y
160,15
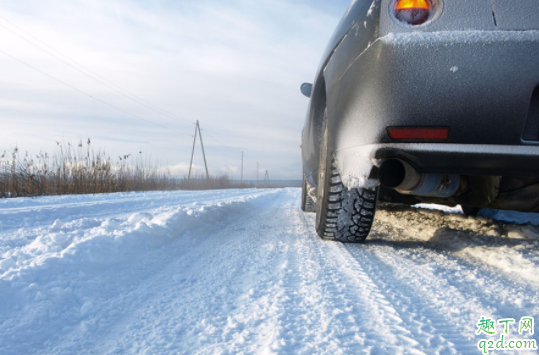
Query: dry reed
x,y
82,170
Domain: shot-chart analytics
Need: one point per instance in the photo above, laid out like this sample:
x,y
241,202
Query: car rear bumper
x,y
356,163
477,83
465,159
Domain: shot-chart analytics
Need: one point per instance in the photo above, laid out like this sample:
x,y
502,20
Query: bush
x,y
81,170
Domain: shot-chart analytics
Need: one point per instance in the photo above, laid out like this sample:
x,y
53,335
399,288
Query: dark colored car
x,y
423,101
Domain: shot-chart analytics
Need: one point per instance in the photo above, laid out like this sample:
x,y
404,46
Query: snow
x,y
242,271
452,37
511,216
357,175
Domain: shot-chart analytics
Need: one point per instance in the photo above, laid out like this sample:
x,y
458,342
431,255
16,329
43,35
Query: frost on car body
x,y
436,100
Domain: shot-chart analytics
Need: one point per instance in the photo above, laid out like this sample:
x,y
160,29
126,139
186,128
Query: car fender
x,y
355,32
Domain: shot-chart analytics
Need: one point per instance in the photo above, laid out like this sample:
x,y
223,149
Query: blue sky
x,y
236,66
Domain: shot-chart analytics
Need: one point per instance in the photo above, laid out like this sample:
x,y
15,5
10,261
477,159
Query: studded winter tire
x,y
342,214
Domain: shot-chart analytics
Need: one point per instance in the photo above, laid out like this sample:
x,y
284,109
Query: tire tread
x,y
347,222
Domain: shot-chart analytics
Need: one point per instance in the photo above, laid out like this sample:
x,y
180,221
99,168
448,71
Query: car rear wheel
x,y
307,203
342,214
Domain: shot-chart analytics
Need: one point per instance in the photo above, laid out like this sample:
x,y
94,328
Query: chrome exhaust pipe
x,y
399,175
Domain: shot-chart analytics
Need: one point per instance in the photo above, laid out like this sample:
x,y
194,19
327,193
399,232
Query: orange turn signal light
x,y
412,4
419,133
413,12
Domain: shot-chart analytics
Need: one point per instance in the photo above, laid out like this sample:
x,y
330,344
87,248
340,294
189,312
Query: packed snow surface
x,y
242,271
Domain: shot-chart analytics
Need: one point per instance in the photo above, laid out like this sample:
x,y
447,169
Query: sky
x,y
134,76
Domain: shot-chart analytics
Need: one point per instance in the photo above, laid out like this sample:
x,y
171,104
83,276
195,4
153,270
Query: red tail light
x,y
413,12
418,133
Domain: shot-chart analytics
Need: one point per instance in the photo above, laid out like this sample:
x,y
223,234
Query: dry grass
x,y
82,170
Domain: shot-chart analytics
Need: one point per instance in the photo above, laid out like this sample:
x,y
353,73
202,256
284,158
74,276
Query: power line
x,y
218,142
94,76
89,73
80,91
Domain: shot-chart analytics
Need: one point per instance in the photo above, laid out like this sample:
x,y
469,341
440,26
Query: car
x,y
423,101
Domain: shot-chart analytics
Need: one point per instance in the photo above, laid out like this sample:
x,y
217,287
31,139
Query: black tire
x,y
307,203
342,214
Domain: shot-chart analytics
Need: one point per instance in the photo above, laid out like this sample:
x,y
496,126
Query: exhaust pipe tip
x,y
404,178
392,173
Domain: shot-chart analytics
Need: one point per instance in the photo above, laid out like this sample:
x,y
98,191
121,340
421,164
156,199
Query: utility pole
x,y
203,154
241,179
197,130
192,152
266,179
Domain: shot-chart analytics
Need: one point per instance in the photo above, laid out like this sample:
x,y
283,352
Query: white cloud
x,y
236,66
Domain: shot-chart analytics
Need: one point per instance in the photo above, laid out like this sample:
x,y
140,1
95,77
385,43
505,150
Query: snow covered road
x,y
242,271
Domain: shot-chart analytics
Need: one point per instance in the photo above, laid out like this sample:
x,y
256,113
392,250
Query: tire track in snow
x,y
461,290
427,312
351,290
481,283
439,249
454,287
311,318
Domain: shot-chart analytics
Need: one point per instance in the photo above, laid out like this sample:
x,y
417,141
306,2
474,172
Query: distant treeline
x,y
79,169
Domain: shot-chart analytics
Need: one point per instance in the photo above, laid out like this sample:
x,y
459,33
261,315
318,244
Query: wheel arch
x,y
314,132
